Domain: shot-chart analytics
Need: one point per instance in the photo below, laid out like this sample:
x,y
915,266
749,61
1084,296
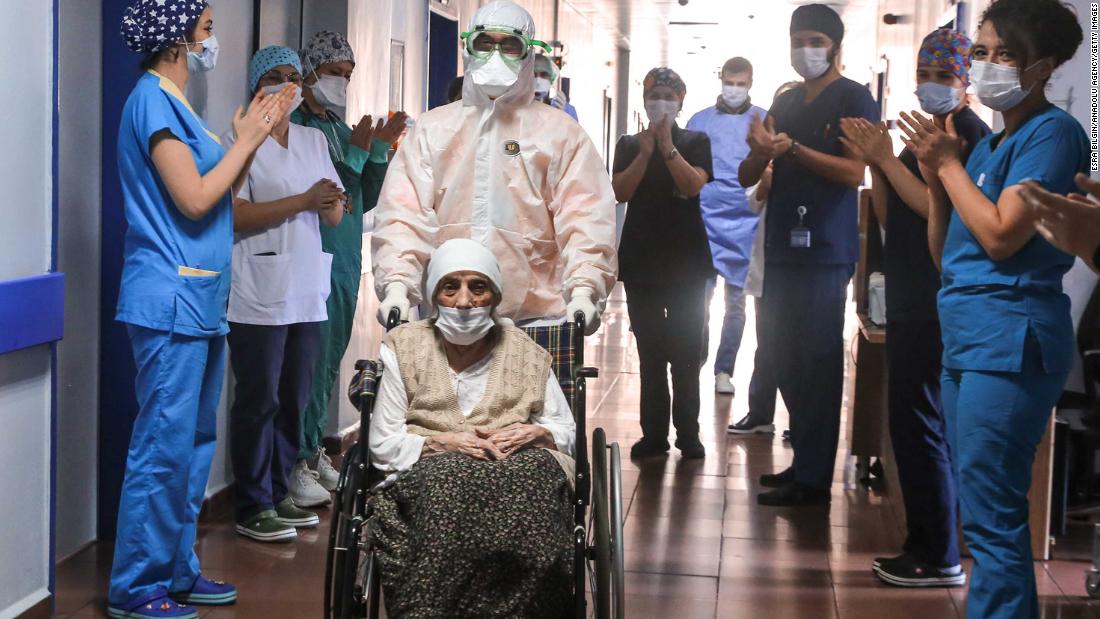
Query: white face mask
x,y
274,88
997,86
201,62
938,98
810,62
734,96
661,111
494,76
542,87
463,327
330,91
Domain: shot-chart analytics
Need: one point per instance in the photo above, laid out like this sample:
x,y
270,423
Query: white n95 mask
x,y
331,91
734,96
463,327
493,75
542,87
660,111
810,62
997,86
207,59
938,98
275,88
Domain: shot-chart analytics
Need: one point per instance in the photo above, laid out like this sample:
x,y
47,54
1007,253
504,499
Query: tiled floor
x,y
697,545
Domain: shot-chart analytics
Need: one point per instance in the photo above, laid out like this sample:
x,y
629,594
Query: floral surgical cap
x,y
947,49
664,76
326,46
152,25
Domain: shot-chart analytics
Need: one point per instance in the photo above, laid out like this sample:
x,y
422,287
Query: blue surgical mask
x,y
938,98
201,62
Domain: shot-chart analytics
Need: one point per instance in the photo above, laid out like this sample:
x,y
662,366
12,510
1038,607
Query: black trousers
x,y
274,367
668,324
918,431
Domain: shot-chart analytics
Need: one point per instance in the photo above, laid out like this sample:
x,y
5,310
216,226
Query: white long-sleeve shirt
x,y
754,281
395,449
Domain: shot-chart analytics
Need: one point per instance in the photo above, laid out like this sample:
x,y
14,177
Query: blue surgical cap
x,y
267,59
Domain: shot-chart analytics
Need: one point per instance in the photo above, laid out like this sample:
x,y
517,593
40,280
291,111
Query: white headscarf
x,y
460,255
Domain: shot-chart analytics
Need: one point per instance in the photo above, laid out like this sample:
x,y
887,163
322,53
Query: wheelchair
x,y
352,582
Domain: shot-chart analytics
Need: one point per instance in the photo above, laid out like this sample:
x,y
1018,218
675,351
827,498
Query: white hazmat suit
x,y
517,176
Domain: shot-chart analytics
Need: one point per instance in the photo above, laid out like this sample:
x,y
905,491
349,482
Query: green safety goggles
x,y
514,46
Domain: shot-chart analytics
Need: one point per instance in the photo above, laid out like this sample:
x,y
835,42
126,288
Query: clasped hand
x,y
492,444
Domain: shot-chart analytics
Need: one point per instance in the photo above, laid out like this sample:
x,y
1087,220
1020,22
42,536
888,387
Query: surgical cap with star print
x,y
152,25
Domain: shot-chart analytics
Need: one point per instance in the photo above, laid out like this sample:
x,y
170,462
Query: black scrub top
x,y
912,280
664,242
831,207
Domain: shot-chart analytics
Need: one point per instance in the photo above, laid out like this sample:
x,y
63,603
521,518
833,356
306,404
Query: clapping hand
x,y
254,125
765,142
362,133
390,132
866,139
1070,223
932,144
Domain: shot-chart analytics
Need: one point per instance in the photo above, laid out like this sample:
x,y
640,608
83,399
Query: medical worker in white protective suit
x,y
502,169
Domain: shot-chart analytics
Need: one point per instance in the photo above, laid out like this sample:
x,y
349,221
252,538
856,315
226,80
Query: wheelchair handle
x,y
393,319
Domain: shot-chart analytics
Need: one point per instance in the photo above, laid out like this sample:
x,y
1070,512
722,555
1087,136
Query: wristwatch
x,y
672,154
793,149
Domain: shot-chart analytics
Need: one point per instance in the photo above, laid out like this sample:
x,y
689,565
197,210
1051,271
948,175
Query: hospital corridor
x,y
546,309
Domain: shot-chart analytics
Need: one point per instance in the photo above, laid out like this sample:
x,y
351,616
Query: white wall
x,y
80,133
25,174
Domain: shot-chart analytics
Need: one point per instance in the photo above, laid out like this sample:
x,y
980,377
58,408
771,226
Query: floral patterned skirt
x,y
459,537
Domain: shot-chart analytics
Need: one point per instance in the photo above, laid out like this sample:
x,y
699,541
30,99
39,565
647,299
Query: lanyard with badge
x,y
800,234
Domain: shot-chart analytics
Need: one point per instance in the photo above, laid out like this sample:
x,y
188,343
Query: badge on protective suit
x,y
511,148
800,234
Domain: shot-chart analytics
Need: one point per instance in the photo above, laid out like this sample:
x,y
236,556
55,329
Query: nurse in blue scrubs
x,y
1007,333
176,182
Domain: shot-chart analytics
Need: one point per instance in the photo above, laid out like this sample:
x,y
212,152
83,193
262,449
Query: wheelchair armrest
x,y
588,372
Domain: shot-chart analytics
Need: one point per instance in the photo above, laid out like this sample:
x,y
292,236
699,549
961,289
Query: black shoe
x,y
777,480
904,571
647,448
877,561
691,450
787,436
794,494
748,425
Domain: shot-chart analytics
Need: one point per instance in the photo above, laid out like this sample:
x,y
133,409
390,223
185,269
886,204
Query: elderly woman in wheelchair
x,y
476,439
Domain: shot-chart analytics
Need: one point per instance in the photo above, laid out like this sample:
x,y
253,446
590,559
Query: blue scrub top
x,y
176,272
832,211
730,223
988,307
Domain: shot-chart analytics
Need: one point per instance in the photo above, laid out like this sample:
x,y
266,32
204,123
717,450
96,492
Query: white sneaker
x,y
723,383
304,488
327,475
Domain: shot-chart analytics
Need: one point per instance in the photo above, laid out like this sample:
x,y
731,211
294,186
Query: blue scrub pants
x,y
274,368
179,384
995,421
804,310
733,327
762,386
918,432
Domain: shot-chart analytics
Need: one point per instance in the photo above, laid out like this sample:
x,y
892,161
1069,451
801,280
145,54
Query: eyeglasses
x,y
514,45
276,77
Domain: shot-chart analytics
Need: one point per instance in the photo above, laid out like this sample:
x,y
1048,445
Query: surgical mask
x,y
810,62
463,327
734,96
997,86
201,62
493,75
274,88
542,87
938,98
331,91
660,111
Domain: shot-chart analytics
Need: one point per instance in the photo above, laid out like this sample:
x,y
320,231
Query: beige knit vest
x,y
515,391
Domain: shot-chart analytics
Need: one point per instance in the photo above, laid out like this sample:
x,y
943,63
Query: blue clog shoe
x,y
161,607
207,593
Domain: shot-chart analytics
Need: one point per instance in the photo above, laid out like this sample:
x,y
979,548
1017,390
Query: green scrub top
x,y
362,174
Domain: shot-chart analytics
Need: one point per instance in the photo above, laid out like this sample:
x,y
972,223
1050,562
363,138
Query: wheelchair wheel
x,y
618,586
600,546
350,579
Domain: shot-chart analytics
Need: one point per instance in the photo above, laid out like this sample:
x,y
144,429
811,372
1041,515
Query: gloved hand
x,y
581,301
397,296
